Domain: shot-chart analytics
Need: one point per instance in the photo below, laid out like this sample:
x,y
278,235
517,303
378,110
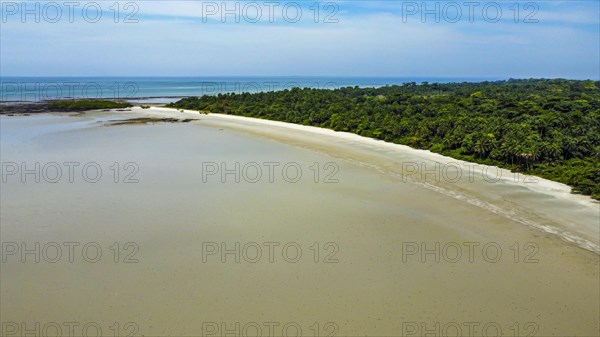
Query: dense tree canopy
x,y
82,105
549,128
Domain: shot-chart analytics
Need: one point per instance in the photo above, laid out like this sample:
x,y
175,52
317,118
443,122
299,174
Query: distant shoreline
x,y
33,89
114,99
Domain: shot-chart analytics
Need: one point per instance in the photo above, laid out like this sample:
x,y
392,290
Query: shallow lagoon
x,y
347,257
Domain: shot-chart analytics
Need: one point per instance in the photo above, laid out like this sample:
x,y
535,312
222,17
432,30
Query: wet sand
x,y
367,279
533,201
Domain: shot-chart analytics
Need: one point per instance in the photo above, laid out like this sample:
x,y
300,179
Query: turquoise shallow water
x,y
165,89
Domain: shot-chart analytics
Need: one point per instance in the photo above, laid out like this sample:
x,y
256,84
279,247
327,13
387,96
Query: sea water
x,y
167,89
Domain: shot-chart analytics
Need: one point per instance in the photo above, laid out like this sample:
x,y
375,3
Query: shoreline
x,y
583,236
512,202
367,214
544,185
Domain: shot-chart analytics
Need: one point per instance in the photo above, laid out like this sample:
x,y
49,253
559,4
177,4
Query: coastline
x,y
386,158
368,214
584,234
543,185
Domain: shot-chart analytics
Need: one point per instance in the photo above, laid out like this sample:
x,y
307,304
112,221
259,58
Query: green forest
x,y
545,127
82,105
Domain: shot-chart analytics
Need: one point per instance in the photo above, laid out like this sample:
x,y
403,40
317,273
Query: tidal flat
x,y
223,224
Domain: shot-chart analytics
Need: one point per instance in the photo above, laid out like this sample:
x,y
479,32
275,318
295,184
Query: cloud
x,y
171,39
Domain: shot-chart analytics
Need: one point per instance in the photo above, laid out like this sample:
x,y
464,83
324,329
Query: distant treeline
x,y
20,108
82,105
549,128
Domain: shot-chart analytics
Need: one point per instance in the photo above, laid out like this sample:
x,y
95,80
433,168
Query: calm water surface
x,y
186,250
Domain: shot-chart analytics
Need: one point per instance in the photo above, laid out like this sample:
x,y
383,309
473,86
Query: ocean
x,y
168,89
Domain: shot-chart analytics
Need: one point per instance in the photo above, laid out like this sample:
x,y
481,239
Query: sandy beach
x,y
473,177
542,185
361,244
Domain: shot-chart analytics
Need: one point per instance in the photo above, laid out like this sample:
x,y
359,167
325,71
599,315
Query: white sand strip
x,y
541,185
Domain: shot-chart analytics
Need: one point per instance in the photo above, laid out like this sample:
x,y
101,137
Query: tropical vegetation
x,y
82,105
545,127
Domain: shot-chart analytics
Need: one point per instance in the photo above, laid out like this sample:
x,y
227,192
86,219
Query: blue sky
x,y
342,38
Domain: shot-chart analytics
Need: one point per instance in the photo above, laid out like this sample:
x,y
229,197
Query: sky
x,y
501,39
